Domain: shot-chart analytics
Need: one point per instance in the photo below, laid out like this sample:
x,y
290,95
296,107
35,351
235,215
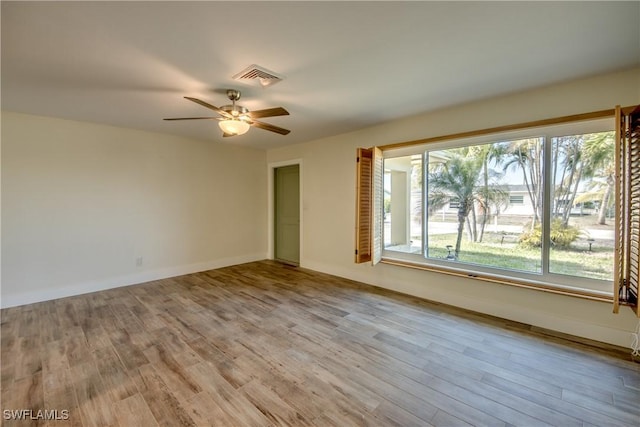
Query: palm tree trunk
x,y
530,189
536,180
554,170
485,203
461,221
483,224
604,204
573,192
474,224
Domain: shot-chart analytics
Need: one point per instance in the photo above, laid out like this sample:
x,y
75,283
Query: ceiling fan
x,y
236,119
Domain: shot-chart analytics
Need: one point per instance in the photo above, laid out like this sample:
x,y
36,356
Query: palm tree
x,y
574,168
458,179
488,153
599,157
526,154
585,157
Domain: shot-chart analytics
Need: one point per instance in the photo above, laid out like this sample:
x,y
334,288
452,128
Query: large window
x,y
551,205
534,204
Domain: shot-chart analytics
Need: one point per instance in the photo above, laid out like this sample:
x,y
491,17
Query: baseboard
x,y
7,301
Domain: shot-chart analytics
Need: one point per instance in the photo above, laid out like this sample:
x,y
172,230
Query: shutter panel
x,y
378,200
620,214
364,204
627,254
633,140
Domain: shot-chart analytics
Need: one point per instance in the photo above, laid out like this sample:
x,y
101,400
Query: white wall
x,y
82,202
329,207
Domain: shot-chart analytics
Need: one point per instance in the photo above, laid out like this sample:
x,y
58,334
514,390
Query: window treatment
x,y
627,255
369,199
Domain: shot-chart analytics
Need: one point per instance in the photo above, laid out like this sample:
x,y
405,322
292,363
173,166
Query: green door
x,y
287,214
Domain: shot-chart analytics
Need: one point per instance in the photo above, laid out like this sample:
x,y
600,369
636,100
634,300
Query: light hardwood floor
x,y
266,344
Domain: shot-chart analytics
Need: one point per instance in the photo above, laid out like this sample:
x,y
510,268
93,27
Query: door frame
x,y
271,167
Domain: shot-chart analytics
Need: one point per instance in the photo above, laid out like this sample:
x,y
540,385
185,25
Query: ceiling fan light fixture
x,y
234,127
237,119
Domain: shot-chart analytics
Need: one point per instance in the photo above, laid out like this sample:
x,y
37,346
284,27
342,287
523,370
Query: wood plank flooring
x,y
263,344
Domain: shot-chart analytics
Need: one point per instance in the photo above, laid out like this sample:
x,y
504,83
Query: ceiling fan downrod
x,y
235,111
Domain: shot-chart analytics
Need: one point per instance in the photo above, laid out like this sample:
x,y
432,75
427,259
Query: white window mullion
x,y
547,202
425,206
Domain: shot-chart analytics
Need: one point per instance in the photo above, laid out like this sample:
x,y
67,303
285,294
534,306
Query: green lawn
x,y
502,251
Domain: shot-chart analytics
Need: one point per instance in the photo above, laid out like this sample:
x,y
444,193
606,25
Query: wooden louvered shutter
x,y
364,204
369,200
627,253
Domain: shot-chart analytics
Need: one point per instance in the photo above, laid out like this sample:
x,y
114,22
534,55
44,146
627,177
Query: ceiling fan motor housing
x,y
233,94
235,110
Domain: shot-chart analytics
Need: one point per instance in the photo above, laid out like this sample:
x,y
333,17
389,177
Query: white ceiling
x,y
346,65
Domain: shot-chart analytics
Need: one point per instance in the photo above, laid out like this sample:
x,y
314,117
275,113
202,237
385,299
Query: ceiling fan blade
x,y
226,135
209,106
193,118
269,112
267,126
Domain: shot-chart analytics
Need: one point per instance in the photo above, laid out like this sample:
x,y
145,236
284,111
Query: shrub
x,y
561,236
531,238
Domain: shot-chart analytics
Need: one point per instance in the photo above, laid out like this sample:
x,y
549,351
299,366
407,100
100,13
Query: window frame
x,y
550,128
626,280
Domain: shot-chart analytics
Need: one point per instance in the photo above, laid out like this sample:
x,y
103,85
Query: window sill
x,y
543,287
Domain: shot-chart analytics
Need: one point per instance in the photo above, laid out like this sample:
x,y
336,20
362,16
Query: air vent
x,y
255,73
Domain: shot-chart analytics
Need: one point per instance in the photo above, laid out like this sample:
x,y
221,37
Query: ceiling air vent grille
x,y
258,74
